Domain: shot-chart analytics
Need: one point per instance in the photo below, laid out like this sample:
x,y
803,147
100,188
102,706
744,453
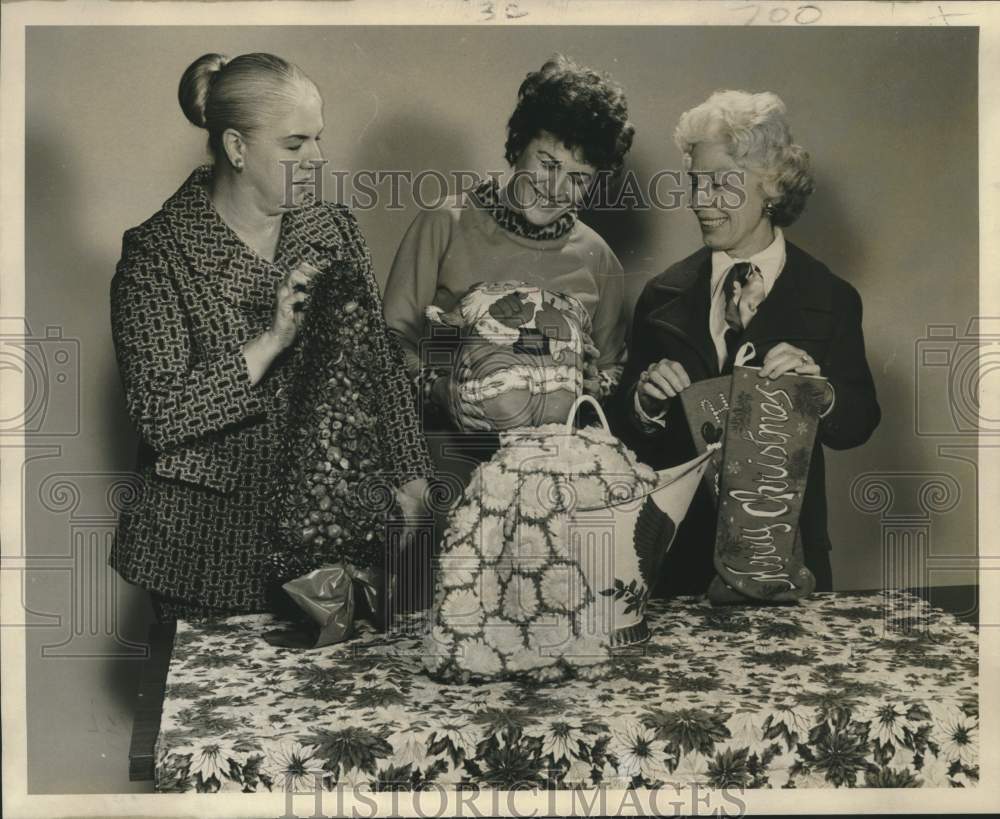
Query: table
x,y
844,689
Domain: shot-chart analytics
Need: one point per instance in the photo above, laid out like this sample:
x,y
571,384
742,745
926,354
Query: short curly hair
x,y
583,109
755,132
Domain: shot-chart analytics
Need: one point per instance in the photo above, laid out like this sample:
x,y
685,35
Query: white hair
x,y
754,130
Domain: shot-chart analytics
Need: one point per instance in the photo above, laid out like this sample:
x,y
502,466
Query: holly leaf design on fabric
x,y
513,310
634,594
438,767
617,592
635,598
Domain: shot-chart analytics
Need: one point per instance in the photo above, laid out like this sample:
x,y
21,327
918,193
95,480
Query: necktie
x,y
737,275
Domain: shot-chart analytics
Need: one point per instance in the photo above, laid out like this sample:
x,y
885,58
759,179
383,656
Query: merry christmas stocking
x,y
770,428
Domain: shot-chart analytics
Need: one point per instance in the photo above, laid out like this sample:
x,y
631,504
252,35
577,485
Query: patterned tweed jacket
x,y
186,296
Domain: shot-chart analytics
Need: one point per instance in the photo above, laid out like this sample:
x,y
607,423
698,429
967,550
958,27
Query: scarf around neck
x,y
488,196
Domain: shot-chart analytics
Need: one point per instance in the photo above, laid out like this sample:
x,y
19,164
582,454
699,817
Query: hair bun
x,y
196,84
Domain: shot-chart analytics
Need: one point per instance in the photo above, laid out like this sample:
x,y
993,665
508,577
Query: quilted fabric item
x,y
550,554
521,357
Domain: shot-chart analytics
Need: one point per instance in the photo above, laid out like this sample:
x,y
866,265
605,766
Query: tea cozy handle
x,y
571,418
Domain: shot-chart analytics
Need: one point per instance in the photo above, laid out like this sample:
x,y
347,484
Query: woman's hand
x,y
411,497
659,383
463,415
290,304
411,503
784,358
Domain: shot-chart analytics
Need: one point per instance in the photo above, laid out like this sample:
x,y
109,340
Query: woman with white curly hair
x,y
747,284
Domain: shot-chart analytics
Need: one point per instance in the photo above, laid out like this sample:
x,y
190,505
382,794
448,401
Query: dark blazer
x,y
186,296
808,307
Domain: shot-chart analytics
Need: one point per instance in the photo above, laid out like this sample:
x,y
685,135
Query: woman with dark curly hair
x,y
747,284
570,123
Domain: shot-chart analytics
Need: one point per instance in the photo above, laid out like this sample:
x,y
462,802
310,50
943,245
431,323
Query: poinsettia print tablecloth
x,y
835,691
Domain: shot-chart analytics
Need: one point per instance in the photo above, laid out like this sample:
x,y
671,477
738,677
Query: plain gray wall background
x,y
890,117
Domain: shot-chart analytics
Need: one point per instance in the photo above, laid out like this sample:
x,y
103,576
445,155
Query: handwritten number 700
x,y
803,15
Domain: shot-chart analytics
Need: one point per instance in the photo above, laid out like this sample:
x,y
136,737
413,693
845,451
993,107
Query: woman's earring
x,y
769,208
238,164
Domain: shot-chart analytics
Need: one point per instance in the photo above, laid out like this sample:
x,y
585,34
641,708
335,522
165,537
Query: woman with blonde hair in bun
x,y
206,304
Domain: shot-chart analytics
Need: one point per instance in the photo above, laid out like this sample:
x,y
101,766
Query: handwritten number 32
x,y
804,15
